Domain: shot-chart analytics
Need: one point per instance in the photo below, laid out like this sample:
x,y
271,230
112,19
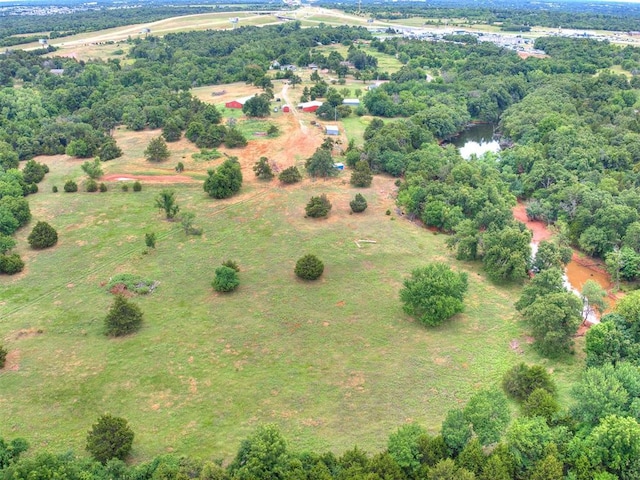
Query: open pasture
x,y
334,363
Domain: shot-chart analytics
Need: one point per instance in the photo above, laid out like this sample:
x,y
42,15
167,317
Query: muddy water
x,y
580,269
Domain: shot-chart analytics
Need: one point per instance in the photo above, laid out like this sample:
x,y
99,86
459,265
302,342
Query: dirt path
x,y
124,177
285,90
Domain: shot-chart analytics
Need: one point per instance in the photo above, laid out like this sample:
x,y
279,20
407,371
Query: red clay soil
x,y
123,177
539,229
524,55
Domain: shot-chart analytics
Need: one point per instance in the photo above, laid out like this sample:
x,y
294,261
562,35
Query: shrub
x,y
231,264
92,185
262,169
70,186
125,187
3,356
180,167
34,172
358,204
111,437
103,187
132,283
434,293
226,279
11,264
32,188
157,150
361,176
521,380
290,175
123,318
318,207
150,240
309,267
225,181
42,236
54,189
92,169
137,186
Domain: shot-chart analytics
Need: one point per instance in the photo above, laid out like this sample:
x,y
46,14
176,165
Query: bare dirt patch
x,y
540,230
27,333
12,362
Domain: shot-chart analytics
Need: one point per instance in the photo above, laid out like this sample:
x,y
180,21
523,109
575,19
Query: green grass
x,y
251,126
355,126
335,362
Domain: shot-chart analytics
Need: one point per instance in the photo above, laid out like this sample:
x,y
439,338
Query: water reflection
x,y
478,140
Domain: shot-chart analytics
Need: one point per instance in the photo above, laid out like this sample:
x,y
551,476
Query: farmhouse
x,y
310,106
332,130
352,102
238,102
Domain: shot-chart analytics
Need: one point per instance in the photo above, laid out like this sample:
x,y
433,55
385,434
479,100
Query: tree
x,y
615,445
137,186
110,437
403,446
361,176
447,470
258,106
604,343
318,207
290,175
18,207
358,204
320,164
6,243
226,279
157,150
456,431
550,255
593,299
546,282
541,403
34,172
171,130
109,150
262,456
488,413
262,169
8,157
554,319
434,293
507,253
309,267
42,236
3,359
528,439
225,181
70,186
123,318
520,380
166,201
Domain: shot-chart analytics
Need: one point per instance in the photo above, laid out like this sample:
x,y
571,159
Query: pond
x,y
478,139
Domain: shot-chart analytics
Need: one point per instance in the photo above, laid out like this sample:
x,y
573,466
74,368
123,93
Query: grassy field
x,y
355,126
334,363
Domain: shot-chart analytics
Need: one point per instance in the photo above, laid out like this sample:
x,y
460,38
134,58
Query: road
x,y
285,96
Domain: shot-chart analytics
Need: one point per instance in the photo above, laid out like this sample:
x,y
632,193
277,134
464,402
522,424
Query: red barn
x,y
238,102
286,109
233,104
310,106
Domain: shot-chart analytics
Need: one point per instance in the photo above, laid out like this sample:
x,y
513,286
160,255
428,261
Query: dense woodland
x,y
575,149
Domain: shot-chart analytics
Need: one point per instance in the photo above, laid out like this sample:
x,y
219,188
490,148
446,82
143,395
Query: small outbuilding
x,y
286,109
339,166
352,102
332,130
